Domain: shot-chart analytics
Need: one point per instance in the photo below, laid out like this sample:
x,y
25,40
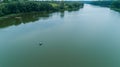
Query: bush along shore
x,y
38,6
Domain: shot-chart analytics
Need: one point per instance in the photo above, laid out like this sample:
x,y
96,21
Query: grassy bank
x,y
29,6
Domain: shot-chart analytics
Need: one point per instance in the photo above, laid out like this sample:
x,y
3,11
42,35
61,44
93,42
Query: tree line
x,y
33,6
113,4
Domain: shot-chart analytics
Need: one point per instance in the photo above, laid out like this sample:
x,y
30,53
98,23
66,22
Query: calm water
x,y
89,37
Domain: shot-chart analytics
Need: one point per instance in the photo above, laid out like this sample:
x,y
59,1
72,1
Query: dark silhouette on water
x,y
40,43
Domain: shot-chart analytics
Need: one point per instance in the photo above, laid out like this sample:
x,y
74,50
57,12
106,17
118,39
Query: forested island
x,y
17,6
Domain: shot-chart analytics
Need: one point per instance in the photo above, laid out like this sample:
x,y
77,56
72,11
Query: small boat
x,y
40,43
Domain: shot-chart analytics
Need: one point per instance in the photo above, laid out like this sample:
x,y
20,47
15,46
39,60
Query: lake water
x,y
89,37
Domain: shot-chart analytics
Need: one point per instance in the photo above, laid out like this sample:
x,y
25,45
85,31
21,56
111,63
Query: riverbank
x,y
29,6
101,3
114,5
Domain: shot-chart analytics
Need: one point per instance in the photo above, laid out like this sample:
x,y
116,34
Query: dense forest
x,y
20,6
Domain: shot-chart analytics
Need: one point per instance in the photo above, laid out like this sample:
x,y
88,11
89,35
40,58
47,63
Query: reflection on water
x,y
22,18
62,14
27,18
